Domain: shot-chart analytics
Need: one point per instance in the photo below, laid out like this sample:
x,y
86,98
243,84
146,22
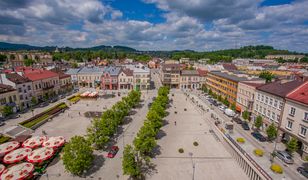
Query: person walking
x,y
175,123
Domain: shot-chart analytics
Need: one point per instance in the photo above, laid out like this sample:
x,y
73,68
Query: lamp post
x,y
193,165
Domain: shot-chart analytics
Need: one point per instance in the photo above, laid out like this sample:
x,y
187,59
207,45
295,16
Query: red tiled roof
x,y
128,72
280,88
5,88
202,72
39,74
300,94
229,67
16,78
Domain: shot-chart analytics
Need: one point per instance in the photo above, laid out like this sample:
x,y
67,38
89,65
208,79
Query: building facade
x,y
190,79
170,75
23,86
270,100
109,79
246,96
295,118
90,77
8,97
142,76
126,79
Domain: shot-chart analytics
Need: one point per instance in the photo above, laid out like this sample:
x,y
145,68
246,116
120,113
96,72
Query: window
x,y
306,116
266,100
268,113
278,118
258,97
303,131
289,125
275,103
292,111
273,116
264,111
280,105
262,98
29,87
21,97
271,102
19,89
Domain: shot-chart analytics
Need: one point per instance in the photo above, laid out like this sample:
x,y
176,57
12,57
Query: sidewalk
x,y
251,144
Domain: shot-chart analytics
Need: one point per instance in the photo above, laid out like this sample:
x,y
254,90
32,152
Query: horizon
x,y
157,25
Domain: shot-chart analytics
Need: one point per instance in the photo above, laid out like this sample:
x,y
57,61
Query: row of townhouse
x,y
284,103
112,77
27,83
173,76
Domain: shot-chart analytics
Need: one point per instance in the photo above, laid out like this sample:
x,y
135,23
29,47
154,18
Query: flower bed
x,y
258,152
74,99
4,139
240,140
41,118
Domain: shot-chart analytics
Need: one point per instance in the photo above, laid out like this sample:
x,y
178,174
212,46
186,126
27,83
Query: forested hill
x,y
258,52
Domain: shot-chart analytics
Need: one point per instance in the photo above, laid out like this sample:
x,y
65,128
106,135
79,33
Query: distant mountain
x,y
19,47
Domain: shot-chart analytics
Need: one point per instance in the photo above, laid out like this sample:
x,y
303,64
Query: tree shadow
x,y
98,162
167,113
165,122
149,169
127,120
138,106
156,151
54,161
160,134
114,139
305,165
132,112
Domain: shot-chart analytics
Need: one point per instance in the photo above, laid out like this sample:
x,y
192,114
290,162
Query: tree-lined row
x,y
137,157
78,152
104,128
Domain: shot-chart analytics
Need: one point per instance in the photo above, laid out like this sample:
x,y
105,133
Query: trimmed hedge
x,y
258,152
240,140
4,139
74,99
276,168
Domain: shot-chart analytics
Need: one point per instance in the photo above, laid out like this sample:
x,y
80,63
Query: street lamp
x,y
193,165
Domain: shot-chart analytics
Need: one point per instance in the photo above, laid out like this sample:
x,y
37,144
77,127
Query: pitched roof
x,y
231,77
202,72
171,66
39,74
229,66
300,94
16,78
128,72
189,73
113,71
72,71
91,70
280,88
5,88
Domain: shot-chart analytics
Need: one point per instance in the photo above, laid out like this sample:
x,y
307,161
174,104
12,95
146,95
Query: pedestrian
x,y
175,123
79,113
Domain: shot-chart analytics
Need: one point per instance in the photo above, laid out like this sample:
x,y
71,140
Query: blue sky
x,y
200,25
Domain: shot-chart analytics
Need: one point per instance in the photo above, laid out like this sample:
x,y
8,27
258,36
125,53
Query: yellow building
x,y
8,97
225,83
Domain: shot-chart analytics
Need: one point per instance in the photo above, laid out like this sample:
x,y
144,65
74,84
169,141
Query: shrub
x,y
181,150
240,140
258,152
276,168
196,143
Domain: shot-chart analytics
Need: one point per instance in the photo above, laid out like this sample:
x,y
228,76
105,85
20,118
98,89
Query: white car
x,y
222,107
229,112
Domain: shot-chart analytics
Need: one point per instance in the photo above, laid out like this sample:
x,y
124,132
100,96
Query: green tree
x,y
268,76
233,106
7,110
210,92
130,164
33,101
74,65
258,122
28,62
77,155
98,133
271,131
245,115
3,58
226,102
292,145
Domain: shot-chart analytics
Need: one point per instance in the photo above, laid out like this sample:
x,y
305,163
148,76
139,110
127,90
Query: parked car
x,y
53,100
245,126
113,151
284,156
229,112
215,103
61,96
222,108
237,120
44,104
258,136
75,90
303,171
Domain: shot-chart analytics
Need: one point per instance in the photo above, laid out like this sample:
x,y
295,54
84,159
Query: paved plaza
x,y
211,159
